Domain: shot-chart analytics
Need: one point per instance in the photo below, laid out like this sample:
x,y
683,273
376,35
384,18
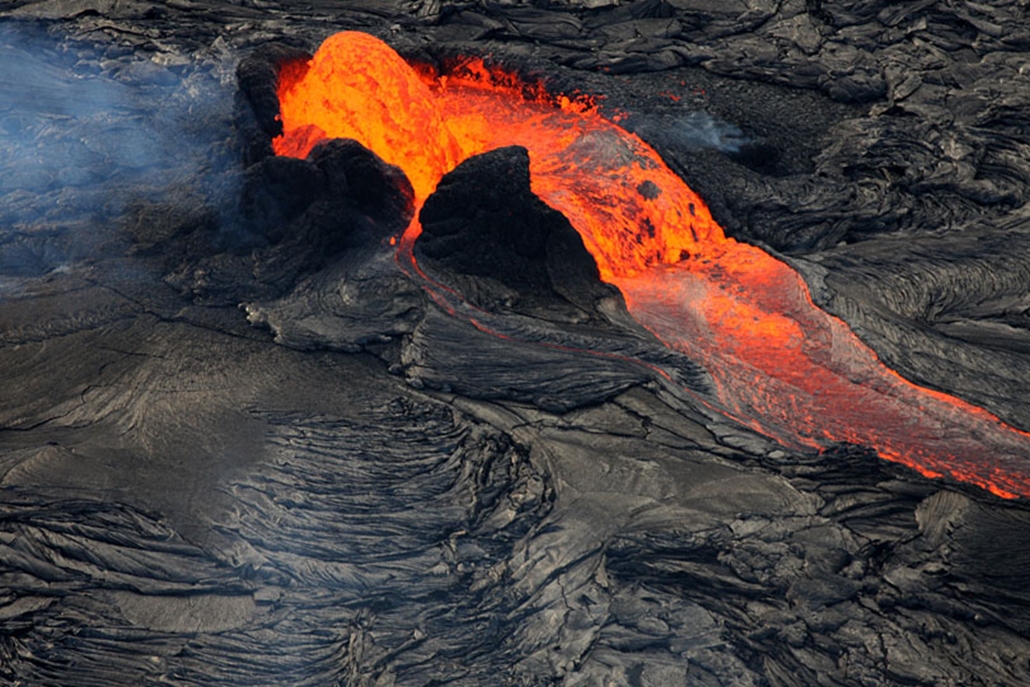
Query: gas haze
x,y
689,131
87,138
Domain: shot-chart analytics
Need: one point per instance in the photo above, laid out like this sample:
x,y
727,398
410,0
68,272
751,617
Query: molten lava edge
x,y
780,364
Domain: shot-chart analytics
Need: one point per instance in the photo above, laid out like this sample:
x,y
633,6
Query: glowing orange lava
x,y
780,364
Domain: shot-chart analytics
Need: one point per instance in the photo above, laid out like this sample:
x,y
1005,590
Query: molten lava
x,y
780,364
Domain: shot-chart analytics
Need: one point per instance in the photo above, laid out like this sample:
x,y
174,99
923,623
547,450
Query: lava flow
x,y
780,364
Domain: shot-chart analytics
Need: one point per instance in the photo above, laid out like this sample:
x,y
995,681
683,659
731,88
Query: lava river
x,y
780,364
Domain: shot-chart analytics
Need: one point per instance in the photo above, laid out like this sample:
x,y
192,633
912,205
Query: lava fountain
x,y
780,364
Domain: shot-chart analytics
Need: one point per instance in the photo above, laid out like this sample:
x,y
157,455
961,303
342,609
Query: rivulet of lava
x,y
780,364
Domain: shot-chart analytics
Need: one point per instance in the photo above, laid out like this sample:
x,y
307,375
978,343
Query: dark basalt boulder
x,y
375,189
294,217
342,194
484,220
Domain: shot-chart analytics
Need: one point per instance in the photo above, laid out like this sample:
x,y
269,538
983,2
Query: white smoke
x,y
691,131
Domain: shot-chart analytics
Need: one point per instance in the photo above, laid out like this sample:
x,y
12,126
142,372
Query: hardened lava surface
x,y
241,442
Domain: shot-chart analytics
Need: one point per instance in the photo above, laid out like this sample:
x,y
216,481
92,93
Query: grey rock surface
x,y
234,453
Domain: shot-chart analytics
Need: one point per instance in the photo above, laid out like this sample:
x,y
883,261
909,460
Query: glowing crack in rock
x,y
780,364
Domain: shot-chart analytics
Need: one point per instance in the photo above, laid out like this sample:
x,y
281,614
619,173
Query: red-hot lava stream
x,y
780,364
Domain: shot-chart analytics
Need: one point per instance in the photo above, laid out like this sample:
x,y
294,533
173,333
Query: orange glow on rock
x,y
780,364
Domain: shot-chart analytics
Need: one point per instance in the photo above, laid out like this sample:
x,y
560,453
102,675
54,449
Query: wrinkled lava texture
x,y
547,343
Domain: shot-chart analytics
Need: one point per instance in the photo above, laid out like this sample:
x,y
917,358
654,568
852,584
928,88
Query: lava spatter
x,y
780,364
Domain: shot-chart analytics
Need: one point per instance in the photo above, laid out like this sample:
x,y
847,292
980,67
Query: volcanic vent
x,y
779,364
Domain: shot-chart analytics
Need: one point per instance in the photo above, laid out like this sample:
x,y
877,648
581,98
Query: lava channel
x,y
780,364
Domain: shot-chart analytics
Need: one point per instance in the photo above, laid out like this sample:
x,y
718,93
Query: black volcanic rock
x,y
484,220
294,217
276,191
377,190
257,104
355,197
487,502
342,194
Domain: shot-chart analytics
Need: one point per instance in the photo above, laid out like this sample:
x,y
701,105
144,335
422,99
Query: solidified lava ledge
x,y
650,342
